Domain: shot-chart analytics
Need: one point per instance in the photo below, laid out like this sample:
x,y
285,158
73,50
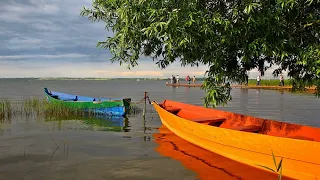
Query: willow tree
x,y
231,37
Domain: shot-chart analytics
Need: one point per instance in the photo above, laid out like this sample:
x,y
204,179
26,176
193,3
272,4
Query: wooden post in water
x,y
145,104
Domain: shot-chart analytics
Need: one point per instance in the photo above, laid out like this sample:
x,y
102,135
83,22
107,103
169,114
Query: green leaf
x,y
266,168
280,165
230,38
280,174
274,160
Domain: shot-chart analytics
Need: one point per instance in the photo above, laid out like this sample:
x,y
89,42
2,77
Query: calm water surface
x,y
33,148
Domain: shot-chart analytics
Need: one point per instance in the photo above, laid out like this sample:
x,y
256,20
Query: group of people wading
x,y
176,79
281,78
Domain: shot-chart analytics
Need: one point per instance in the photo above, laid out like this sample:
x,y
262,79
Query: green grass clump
x,y
32,106
6,111
40,107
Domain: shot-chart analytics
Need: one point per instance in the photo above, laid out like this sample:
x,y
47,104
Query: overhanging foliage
x,y
231,37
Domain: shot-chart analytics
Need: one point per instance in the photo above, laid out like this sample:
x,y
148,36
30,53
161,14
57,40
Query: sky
x,y
49,38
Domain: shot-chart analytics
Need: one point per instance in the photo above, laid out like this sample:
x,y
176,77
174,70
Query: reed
x,y
59,111
277,167
6,111
41,108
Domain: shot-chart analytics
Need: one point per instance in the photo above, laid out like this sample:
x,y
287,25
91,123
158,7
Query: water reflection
x,y
126,125
95,123
187,89
6,120
205,163
281,92
244,101
258,96
281,105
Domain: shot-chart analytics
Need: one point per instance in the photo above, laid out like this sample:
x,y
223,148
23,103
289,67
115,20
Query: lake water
x,y
33,148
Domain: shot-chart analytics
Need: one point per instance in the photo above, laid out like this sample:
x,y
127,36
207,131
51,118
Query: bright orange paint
x,y
206,164
225,133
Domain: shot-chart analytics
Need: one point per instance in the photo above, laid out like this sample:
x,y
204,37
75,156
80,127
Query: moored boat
x,y
207,165
246,139
108,106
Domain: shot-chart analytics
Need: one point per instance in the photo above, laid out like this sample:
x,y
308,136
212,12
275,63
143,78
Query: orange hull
x,y
246,139
206,164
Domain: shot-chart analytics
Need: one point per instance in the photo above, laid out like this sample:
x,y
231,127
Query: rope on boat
x,y
133,106
148,98
140,101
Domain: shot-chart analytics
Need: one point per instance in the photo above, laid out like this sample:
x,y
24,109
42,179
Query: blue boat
x,y
108,106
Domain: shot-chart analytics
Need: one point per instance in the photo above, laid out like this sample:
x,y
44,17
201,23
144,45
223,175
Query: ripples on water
x,y
131,147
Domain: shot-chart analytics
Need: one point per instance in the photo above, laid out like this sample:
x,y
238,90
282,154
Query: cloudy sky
x,y
49,38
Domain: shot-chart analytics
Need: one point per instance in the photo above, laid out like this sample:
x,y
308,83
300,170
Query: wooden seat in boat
x,y
251,128
208,119
199,117
171,109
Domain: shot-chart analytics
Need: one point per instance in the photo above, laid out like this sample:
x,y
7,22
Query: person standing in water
x,y
188,79
174,80
178,79
246,80
194,80
281,80
258,80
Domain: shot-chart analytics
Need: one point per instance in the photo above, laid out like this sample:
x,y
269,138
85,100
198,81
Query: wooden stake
x,y
145,104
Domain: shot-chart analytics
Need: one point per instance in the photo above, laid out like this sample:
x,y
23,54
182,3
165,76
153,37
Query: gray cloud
x,y
48,27
38,33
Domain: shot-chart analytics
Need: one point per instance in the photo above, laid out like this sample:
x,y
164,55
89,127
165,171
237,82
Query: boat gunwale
x,y
95,102
206,125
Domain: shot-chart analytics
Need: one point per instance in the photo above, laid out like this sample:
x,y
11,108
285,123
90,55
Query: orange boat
x,y
246,139
207,165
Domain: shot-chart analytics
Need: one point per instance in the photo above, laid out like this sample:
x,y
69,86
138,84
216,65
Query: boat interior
x,y
70,97
63,99
239,122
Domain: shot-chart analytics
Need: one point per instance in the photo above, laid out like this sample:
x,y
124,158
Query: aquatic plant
x,y
5,110
278,167
40,107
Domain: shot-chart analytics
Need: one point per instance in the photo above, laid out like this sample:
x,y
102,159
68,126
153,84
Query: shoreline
x,y
184,85
287,88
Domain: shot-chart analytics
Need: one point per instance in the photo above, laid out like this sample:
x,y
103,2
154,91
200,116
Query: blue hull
x,y
111,111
